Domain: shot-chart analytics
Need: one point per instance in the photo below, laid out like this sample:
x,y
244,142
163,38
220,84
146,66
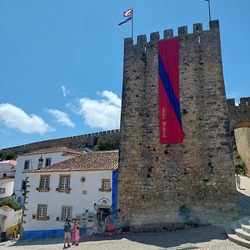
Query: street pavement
x,y
206,238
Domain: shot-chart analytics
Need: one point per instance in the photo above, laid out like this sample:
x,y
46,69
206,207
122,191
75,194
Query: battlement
x,y
168,34
239,113
74,142
244,101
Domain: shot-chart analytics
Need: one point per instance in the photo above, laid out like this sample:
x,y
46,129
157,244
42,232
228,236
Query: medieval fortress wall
x,y
156,180
73,142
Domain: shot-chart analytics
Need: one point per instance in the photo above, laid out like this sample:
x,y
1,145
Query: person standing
x,y
75,233
238,180
67,235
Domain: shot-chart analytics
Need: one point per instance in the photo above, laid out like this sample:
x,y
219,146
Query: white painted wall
x,y
20,175
55,199
8,188
13,217
4,165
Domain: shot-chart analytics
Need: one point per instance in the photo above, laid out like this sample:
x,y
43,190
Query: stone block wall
x,y
73,142
156,180
240,113
242,137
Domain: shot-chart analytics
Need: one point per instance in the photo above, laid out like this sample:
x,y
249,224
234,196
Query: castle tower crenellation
x,y
168,34
182,31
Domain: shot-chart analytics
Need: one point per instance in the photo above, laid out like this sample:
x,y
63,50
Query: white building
x,y
66,190
7,174
9,220
34,160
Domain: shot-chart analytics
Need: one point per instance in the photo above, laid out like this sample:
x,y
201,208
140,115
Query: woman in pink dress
x,y
75,233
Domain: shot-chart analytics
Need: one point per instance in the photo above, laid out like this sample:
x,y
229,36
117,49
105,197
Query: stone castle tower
x,y
157,182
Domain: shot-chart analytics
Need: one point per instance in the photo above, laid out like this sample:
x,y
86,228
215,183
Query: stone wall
x,y
239,114
156,181
242,137
73,142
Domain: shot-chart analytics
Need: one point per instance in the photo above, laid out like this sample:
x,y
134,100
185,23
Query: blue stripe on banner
x,y
114,192
169,89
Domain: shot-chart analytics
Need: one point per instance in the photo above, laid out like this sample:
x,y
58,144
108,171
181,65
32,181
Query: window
x,y
26,165
47,162
105,185
64,184
66,212
2,190
41,211
44,183
23,185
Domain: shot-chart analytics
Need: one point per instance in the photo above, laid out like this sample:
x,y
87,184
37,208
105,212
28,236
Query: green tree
x,y
9,202
8,156
108,143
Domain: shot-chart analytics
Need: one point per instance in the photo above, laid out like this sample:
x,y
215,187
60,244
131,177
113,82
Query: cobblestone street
x,y
207,238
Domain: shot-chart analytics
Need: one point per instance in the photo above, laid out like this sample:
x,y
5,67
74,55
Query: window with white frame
x,y
27,164
105,185
47,162
41,211
66,213
2,190
44,183
64,182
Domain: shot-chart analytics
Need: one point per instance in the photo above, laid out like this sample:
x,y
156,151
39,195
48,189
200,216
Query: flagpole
x,y
209,11
132,23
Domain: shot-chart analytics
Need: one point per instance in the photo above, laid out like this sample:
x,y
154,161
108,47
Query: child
x,y
75,233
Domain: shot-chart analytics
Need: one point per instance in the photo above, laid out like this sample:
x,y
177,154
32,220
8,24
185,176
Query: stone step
x,y
246,228
242,234
238,240
239,232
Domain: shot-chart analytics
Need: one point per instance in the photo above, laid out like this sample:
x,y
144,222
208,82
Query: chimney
x,y
40,162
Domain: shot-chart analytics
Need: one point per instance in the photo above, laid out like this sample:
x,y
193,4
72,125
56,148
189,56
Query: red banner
x,y
169,94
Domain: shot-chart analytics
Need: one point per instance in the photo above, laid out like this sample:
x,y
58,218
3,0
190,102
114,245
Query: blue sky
x,y
61,61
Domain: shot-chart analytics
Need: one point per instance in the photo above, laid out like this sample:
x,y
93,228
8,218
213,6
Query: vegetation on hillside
x,y
8,156
238,162
108,143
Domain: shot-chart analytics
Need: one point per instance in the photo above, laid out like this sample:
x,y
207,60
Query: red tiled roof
x,y
12,163
64,150
6,208
101,160
6,180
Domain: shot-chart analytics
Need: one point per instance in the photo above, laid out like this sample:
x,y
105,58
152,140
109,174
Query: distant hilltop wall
x,y
239,117
74,142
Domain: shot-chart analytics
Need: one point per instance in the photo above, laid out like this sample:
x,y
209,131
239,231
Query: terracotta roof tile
x,y
6,208
64,150
6,180
10,162
93,161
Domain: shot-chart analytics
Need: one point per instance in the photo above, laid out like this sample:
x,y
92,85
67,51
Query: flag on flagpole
x,y
128,19
128,12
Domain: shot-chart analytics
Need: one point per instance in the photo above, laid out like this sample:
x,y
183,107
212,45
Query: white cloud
x,y
14,117
104,113
61,117
64,90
